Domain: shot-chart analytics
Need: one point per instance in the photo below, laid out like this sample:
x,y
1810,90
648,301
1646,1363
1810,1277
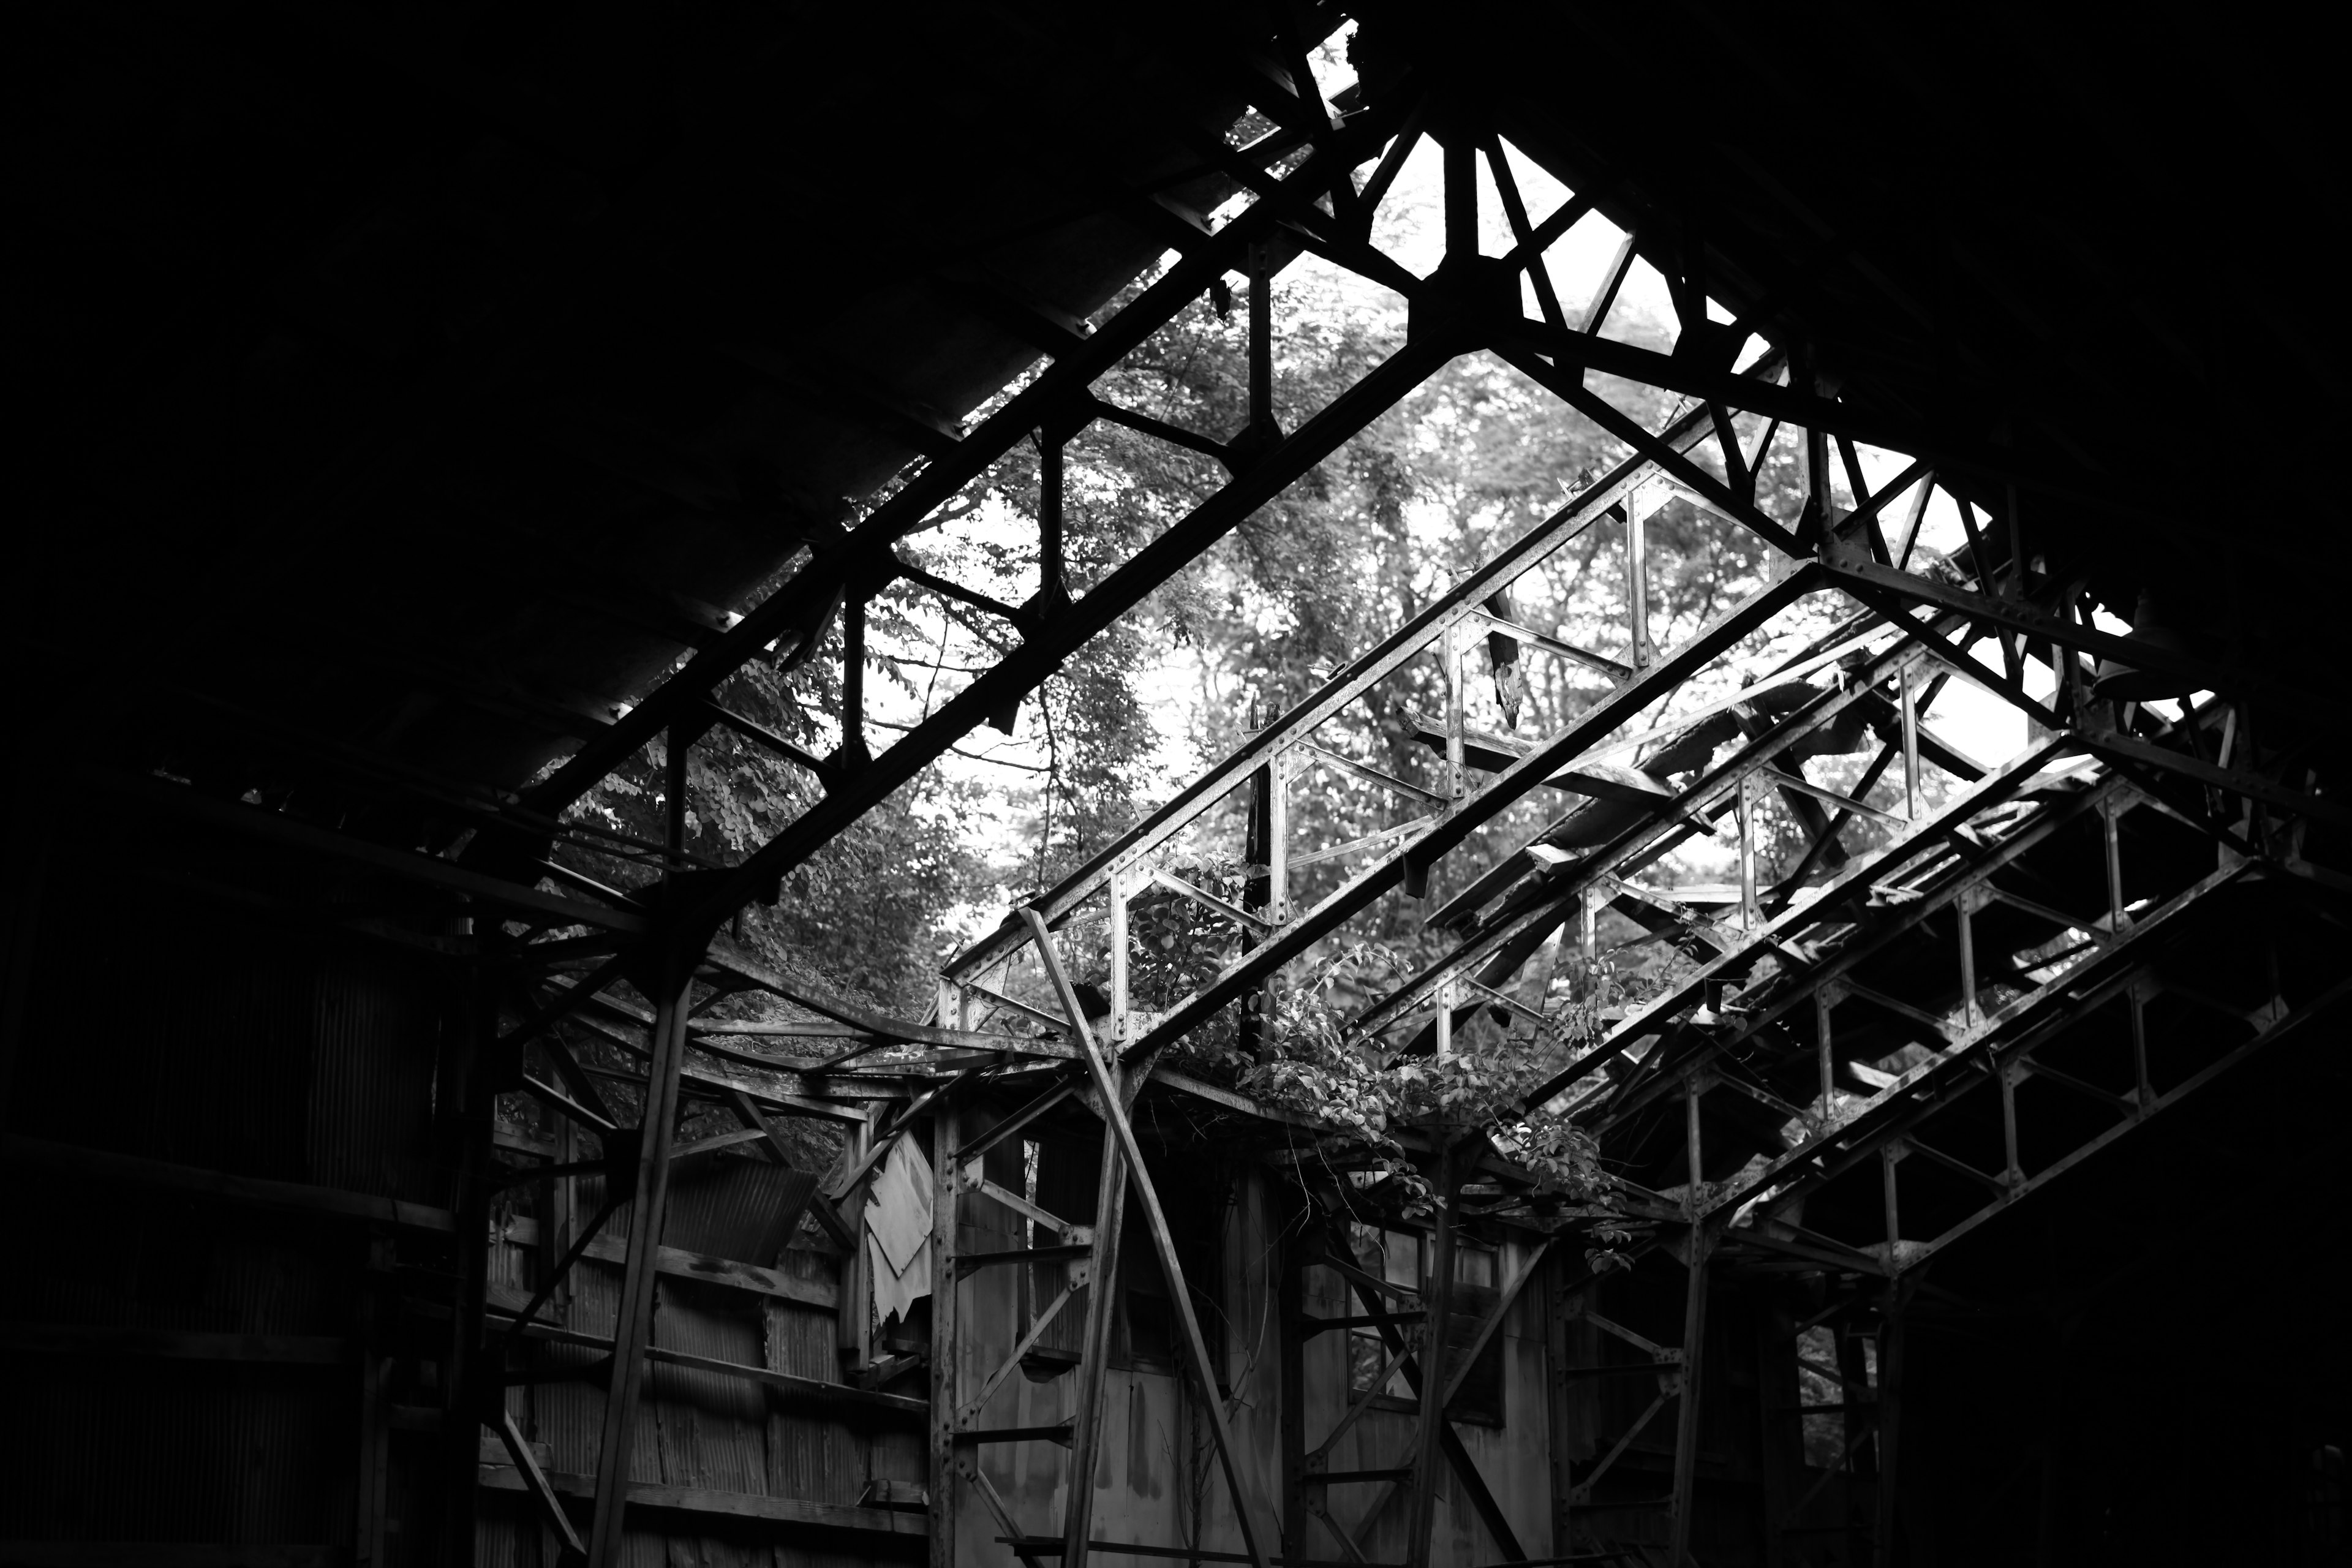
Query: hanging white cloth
x,y
898,1231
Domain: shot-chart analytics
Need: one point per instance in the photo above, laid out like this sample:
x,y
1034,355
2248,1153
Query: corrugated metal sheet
x,y
742,1209
376,1022
176,1451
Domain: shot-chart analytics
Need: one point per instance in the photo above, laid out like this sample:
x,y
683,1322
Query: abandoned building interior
x,y
430,414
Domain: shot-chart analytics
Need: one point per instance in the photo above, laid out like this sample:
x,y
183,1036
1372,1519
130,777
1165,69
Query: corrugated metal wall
x,y
228,1044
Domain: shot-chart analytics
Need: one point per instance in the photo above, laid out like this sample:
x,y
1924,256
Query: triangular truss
x,y
2000,933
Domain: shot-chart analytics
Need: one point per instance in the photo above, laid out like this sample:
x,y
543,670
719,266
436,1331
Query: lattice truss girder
x,y
2013,1090
2024,979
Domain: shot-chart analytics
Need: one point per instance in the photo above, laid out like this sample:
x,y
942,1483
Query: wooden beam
x,y
534,1479
293,1198
708,1503
254,822
107,1341
1171,1269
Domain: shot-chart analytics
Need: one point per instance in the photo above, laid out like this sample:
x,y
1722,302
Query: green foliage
x,y
862,915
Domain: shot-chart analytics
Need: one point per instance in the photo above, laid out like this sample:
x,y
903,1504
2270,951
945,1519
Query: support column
x,y
1781,1439
1910,747
946,1349
1637,586
473,1068
1094,1363
1890,1422
1439,1302
633,1324
1860,1398
1290,1290
1108,1083
1693,1338
1560,1428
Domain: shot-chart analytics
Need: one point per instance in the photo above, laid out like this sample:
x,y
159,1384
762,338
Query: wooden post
x,y
375,1422
1782,1435
1290,1303
1890,1410
1439,1303
1094,1354
1163,1241
1693,1338
946,1348
474,1076
556,1228
632,1321
1861,1417
1560,1428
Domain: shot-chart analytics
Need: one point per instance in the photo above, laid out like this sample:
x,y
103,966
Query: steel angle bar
x,y
1022,669
1610,417
1924,1090
968,1419
1928,838
1371,776
542,1494
1209,900
1710,795
1928,638
1578,351
1334,695
1067,380
1616,669
2121,748
1843,801
1920,1252
1830,968
1385,836
2016,616
1449,829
